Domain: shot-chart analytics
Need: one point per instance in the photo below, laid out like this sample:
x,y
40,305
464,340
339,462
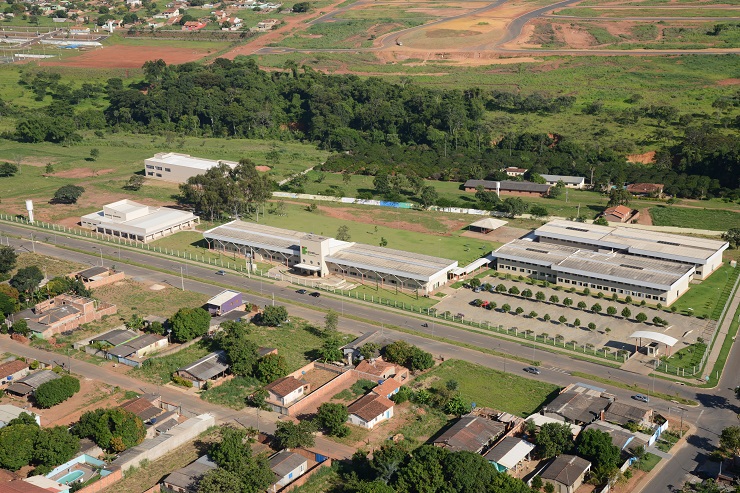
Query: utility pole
x,y
101,256
182,280
33,244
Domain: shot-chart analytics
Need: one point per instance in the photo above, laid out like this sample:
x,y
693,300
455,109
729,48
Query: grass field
x,y
159,370
232,393
51,266
343,33
491,388
708,297
648,462
647,12
687,357
715,220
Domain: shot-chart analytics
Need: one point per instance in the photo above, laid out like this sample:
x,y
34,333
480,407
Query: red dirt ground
x,y
130,57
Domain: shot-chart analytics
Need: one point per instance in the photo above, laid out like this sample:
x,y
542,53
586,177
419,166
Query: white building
x,y
569,181
322,256
704,254
177,168
129,219
611,273
9,412
285,391
287,467
370,410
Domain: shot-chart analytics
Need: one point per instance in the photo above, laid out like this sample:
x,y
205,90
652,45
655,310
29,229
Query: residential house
x,y
578,182
145,407
208,368
578,403
520,188
470,433
509,453
9,412
96,277
352,350
620,214
224,302
370,410
13,370
622,413
514,171
266,25
21,486
133,3
171,13
377,368
285,391
620,437
220,15
186,479
539,420
194,25
388,388
646,189
235,24
566,473
64,312
28,384
287,466
131,352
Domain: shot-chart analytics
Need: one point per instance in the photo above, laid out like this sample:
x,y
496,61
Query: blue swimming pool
x,y
68,478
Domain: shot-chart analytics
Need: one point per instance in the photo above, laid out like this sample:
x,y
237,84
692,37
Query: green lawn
x,y
232,393
648,462
708,297
688,357
160,370
491,388
715,220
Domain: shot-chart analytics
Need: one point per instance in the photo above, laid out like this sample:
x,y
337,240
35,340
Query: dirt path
x,y
645,217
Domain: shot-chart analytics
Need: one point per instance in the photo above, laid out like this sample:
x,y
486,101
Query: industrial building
x,y
321,256
505,187
134,221
611,273
177,168
704,254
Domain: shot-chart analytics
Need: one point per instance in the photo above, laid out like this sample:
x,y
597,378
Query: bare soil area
x,y
121,56
645,158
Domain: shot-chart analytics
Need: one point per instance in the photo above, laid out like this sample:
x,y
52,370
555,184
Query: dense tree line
x,y
114,429
23,442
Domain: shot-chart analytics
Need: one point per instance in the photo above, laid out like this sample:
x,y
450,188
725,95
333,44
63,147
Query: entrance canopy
x,y
314,268
655,336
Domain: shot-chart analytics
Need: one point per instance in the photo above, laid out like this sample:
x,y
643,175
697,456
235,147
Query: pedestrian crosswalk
x,y
556,369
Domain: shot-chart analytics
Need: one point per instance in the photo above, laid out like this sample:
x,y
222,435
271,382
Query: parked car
x,y
301,291
466,286
476,302
220,273
485,304
315,294
476,290
532,370
641,398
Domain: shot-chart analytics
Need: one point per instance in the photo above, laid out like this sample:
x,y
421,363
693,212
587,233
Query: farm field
x,y
717,220
490,388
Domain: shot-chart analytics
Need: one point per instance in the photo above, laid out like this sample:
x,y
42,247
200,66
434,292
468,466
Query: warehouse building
x,y
322,256
134,221
705,255
569,181
505,187
177,168
611,273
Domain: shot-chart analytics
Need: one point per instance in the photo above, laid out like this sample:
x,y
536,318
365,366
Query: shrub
x,y
183,382
55,391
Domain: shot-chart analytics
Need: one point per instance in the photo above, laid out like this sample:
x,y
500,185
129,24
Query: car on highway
x,y
641,398
315,294
301,291
532,370
220,273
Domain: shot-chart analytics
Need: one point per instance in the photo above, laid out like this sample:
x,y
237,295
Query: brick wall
x,y
118,276
302,480
323,393
102,483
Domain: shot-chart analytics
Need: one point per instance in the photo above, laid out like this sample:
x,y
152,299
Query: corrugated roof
x,y
223,297
142,407
35,379
577,406
285,462
258,235
572,180
566,469
509,452
370,406
488,223
509,186
617,267
470,433
130,347
186,160
619,436
623,413
187,477
208,366
92,271
116,337
655,336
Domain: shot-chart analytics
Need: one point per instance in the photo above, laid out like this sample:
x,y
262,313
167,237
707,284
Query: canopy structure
x,y
486,225
654,336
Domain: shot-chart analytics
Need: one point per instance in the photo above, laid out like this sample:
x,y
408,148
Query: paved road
x,y
718,407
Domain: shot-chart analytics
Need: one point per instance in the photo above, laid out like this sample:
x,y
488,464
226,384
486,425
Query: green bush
x,y
55,391
184,382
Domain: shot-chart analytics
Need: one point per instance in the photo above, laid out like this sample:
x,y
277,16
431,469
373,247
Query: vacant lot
x,y
51,266
716,220
490,388
119,56
159,370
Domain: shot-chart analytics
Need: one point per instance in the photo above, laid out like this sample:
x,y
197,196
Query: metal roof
x,y
623,413
577,406
573,180
616,267
509,186
92,271
116,336
187,477
509,452
470,433
285,462
9,412
488,223
655,336
130,347
186,161
157,219
257,235
223,297
635,241
35,379
208,366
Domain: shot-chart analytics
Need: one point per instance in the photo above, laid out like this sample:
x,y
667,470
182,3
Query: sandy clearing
x,y
575,37
121,56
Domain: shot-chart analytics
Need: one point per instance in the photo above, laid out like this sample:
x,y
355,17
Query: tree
x,y
238,469
301,7
273,316
291,435
506,308
554,439
732,236
514,206
619,196
330,350
591,326
343,233
8,169
514,290
475,283
611,311
537,483
68,194
533,314
596,308
331,417
596,447
519,310
539,212
628,299
527,293
601,221
420,360
562,319
135,182
113,429
27,279
582,305
457,406
55,446
21,327
546,317
428,196
271,367
729,440
8,259
243,353
398,352
577,322
500,288
331,321
626,313
53,392
566,302
189,323
94,153
17,445
135,322
641,317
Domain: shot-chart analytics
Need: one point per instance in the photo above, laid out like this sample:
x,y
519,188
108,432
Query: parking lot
x,y
683,328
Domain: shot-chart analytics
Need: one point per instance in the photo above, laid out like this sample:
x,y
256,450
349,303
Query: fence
x,y
378,300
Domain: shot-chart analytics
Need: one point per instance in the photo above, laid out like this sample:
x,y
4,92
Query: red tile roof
x,y
645,188
284,386
377,367
12,367
370,406
619,211
386,388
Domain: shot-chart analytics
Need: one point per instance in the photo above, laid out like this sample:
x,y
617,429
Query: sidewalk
x,y
679,444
